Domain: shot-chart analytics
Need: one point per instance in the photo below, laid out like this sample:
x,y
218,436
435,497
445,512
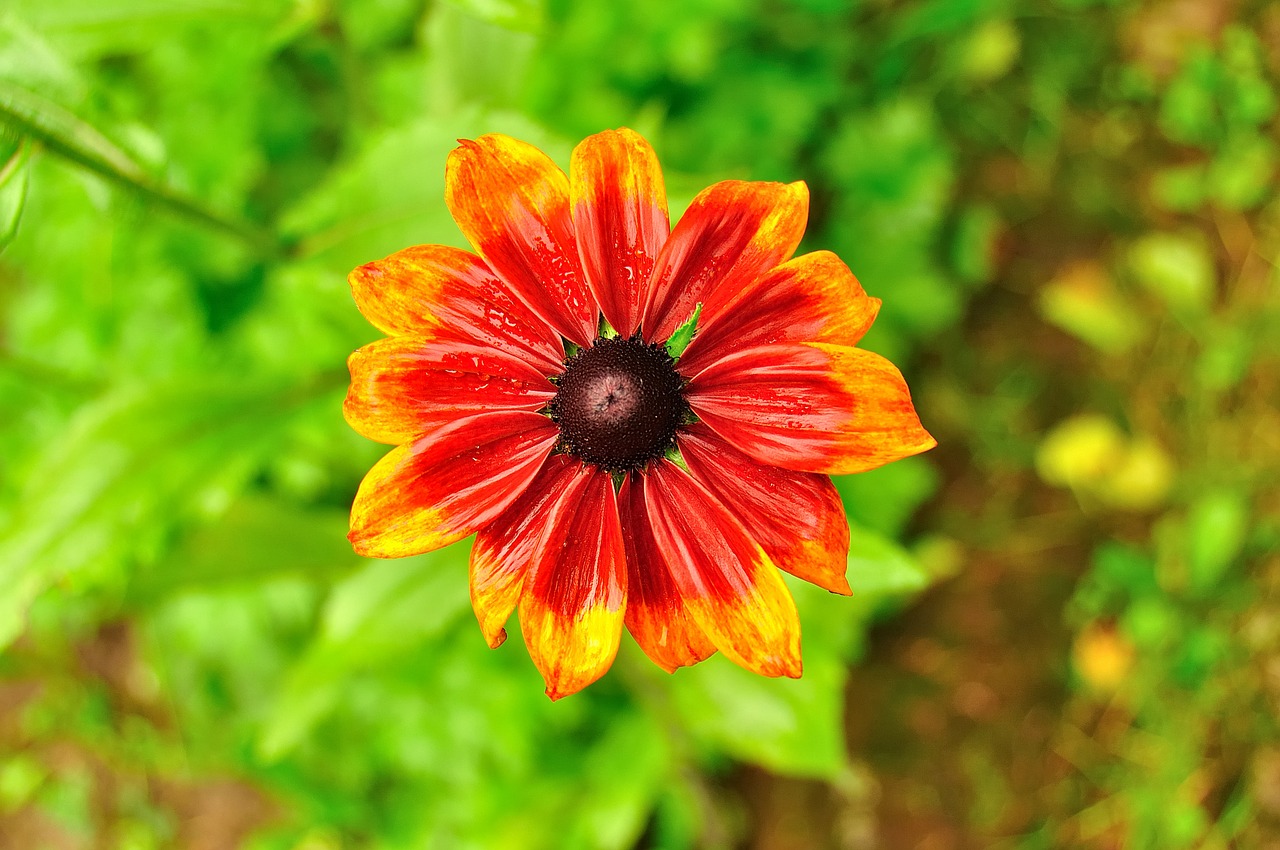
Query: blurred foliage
x,y
1067,207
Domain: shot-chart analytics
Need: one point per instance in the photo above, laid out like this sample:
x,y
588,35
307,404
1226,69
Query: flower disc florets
x,y
619,403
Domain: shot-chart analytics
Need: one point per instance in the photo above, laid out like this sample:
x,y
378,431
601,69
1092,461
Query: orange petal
x,y
403,387
732,233
504,548
656,614
811,407
813,298
443,487
796,517
620,218
435,290
571,610
732,589
512,203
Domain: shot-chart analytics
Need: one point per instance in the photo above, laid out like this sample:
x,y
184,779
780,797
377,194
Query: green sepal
x,y
673,455
679,340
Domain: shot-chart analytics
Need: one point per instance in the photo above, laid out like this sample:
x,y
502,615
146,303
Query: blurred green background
x,y
1066,627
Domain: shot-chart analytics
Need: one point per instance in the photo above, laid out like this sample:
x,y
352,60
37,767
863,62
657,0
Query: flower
x,y
535,398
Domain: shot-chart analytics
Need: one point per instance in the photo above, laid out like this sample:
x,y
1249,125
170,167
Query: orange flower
x,y
536,404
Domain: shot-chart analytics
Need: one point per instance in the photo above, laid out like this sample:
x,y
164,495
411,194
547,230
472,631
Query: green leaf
x,y
1227,356
1189,110
990,51
877,565
376,25
13,191
1176,268
1217,525
615,804
20,777
476,57
683,335
893,174
795,726
1200,650
791,726
117,27
1240,175
522,15
386,610
107,492
256,540
1151,622
28,60
973,245
1119,574
387,607
1180,188
1126,570
884,499
390,194
1083,301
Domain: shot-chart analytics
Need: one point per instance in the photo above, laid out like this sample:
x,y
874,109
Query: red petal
x,y
731,234
435,290
814,298
571,611
620,217
504,548
656,614
813,407
403,387
512,202
443,487
728,583
796,517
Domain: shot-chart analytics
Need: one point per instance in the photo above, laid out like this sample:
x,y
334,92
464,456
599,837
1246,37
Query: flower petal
x,y
402,387
731,234
730,586
512,203
813,298
504,548
571,610
437,290
656,614
796,517
811,407
443,487
620,218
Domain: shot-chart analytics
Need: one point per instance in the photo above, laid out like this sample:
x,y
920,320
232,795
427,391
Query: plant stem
x,y
66,135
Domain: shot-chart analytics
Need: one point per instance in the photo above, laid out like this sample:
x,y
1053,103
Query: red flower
x,y
607,483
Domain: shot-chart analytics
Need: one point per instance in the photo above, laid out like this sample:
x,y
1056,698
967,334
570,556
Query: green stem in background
x,y
66,135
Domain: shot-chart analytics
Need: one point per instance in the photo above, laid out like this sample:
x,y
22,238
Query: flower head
x,y
612,475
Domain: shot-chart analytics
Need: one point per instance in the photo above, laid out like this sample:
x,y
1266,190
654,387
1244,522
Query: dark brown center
x,y
619,403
